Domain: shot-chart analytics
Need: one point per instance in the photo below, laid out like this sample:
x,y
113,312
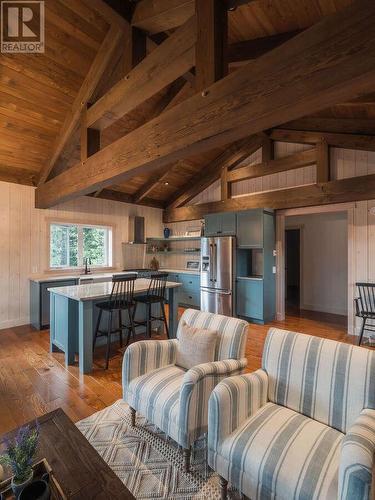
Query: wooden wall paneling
x,y
215,119
4,246
91,81
211,58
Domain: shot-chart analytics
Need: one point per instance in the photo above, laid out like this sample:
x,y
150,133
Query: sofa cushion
x,y
280,450
195,346
156,396
231,332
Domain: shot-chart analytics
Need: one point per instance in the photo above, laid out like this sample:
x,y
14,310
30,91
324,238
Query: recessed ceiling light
x,y
166,183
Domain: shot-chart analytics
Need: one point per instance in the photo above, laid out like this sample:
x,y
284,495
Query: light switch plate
x,y
274,269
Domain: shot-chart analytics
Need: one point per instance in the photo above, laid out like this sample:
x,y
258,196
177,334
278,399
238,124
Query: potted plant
x,y
18,456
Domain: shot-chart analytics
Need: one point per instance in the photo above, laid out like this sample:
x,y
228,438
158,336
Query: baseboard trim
x,y
14,322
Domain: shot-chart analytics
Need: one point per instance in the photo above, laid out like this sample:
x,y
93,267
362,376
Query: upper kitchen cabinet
x,y
220,224
251,228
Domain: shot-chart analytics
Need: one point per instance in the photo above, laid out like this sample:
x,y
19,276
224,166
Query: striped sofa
x,y
302,427
174,399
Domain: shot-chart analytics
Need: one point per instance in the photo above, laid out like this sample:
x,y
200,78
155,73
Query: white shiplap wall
x,y
24,246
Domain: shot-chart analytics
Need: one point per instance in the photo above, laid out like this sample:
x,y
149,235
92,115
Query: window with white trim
x,y
72,244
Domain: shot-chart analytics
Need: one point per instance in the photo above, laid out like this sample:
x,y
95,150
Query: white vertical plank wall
x,y
24,246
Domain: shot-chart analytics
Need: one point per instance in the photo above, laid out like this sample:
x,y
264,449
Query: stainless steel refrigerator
x,y
217,275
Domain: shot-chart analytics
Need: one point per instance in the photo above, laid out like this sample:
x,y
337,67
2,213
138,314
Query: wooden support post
x,y
226,190
267,149
135,48
211,60
90,139
323,163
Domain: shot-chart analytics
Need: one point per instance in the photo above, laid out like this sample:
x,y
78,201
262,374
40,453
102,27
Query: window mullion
x,y
80,246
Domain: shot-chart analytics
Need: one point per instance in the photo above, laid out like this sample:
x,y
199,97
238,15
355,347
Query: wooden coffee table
x,y
79,469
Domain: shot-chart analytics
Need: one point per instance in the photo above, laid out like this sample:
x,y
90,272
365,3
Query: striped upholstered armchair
x,y
302,427
174,399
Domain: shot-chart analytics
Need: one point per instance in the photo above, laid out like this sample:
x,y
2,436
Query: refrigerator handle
x,y
211,261
215,253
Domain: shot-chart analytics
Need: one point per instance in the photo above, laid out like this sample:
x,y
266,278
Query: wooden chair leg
x,y
362,330
165,320
120,325
97,328
186,452
223,488
132,416
108,340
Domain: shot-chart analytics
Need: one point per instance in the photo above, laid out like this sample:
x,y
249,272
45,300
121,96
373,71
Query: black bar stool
x,y
121,299
365,307
155,295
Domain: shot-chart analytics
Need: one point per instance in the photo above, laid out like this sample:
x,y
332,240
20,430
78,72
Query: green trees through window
x,y
71,244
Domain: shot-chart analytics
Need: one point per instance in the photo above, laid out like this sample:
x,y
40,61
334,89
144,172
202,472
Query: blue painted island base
x,y
73,322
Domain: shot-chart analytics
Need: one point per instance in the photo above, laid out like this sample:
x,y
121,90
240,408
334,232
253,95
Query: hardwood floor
x,y
33,381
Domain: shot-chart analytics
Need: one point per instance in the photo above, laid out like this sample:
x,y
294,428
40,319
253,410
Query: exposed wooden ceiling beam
x,y
164,65
145,190
111,194
252,49
292,162
18,175
328,63
365,126
233,4
349,141
339,191
155,16
92,79
233,155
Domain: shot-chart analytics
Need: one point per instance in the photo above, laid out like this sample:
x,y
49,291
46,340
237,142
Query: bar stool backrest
x,y
122,293
157,285
366,297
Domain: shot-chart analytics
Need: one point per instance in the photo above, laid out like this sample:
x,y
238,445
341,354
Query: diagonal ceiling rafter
x,y
328,63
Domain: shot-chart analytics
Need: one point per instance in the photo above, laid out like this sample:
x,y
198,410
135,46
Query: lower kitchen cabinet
x,y
189,293
40,301
250,299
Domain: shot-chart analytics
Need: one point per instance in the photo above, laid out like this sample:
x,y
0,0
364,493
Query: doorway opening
x,y
316,266
292,269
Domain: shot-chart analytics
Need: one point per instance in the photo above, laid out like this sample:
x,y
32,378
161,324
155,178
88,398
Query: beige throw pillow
x,y
195,346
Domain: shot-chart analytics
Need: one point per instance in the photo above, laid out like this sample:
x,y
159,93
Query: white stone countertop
x,y
180,271
45,277
95,291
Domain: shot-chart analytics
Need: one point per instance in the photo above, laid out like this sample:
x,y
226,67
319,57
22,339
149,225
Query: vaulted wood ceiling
x,y
37,91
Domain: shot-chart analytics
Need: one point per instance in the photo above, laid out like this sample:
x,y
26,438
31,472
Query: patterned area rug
x,y
147,462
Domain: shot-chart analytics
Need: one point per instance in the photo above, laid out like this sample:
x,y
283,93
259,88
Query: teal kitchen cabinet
x,y
40,300
250,299
188,294
220,224
250,231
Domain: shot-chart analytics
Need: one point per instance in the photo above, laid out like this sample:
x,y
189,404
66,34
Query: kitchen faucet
x,y
87,262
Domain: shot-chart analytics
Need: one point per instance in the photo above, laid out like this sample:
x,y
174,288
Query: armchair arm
x,y
196,388
233,401
145,356
358,458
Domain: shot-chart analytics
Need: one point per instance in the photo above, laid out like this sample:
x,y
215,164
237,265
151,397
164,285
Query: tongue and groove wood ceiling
x,y
37,91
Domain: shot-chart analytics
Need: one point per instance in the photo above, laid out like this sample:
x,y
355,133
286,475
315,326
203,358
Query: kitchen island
x,y
73,315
